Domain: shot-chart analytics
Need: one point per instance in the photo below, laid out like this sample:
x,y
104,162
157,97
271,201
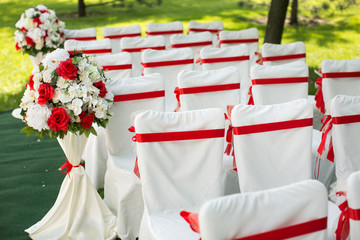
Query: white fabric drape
x,y
272,50
164,27
114,33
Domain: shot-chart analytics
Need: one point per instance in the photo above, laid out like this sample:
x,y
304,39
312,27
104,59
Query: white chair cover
x,y
115,34
165,29
237,56
85,34
79,212
178,174
116,65
250,37
213,27
275,54
353,196
168,63
247,214
194,41
122,188
135,46
95,47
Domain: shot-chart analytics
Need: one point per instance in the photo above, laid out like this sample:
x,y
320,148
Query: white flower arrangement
x,y
39,30
66,93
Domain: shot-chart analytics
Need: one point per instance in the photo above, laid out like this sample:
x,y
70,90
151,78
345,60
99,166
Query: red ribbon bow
x,y
251,98
177,93
136,167
68,167
343,228
229,136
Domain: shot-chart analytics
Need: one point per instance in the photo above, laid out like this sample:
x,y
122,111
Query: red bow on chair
x,y
343,228
68,167
136,167
229,136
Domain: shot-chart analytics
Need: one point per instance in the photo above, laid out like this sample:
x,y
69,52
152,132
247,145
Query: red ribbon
x,y
192,219
225,59
81,38
165,32
193,44
167,63
136,167
123,35
251,98
179,136
141,49
283,57
93,51
68,167
139,96
237,41
204,30
117,67
229,136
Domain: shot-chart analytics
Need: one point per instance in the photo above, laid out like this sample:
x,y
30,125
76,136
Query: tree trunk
x,y
82,8
276,20
294,13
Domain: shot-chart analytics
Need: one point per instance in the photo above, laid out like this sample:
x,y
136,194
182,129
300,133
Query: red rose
x,y
44,11
23,29
29,41
58,120
37,20
101,86
67,70
46,92
86,120
31,82
17,46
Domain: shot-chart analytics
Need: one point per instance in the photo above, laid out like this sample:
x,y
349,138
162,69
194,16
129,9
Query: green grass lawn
x,y
335,37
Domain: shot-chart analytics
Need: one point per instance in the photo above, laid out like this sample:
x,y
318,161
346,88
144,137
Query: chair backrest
x,y
136,46
95,47
213,27
296,210
340,77
165,29
180,157
353,196
168,63
237,56
194,41
86,34
131,95
345,113
278,84
115,34
272,144
116,65
208,89
276,54
250,37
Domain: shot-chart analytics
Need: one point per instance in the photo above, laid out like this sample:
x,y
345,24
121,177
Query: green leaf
x,y
93,131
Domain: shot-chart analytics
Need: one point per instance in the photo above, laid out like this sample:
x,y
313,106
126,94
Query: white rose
x,y
36,34
62,83
53,59
76,105
41,7
64,97
28,98
37,77
35,70
37,116
47,75
29,13
74,90
100,111
39,45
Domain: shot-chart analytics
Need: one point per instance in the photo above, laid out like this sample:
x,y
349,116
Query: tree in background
x,y
276,20
294,13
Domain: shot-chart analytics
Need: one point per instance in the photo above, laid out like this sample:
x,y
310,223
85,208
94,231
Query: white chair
x,y
250,37
353,196
116,65
95,47
213,27
272,146
237,56
194,41
296,211
135,46
164,29
180,158
115,34
275,54
168,63
86,34
122,190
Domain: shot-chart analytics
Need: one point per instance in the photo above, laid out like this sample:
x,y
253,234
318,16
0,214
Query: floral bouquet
x,y
65,93
39,31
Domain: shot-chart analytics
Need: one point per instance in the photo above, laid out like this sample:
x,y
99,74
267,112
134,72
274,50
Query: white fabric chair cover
x,y
250,37
95,47
194,41
116,33
135,46
178,175
85,34
165,29
170,63
237,56
247,214
116,65
79,212
122,191
274,54
353,196
214,28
